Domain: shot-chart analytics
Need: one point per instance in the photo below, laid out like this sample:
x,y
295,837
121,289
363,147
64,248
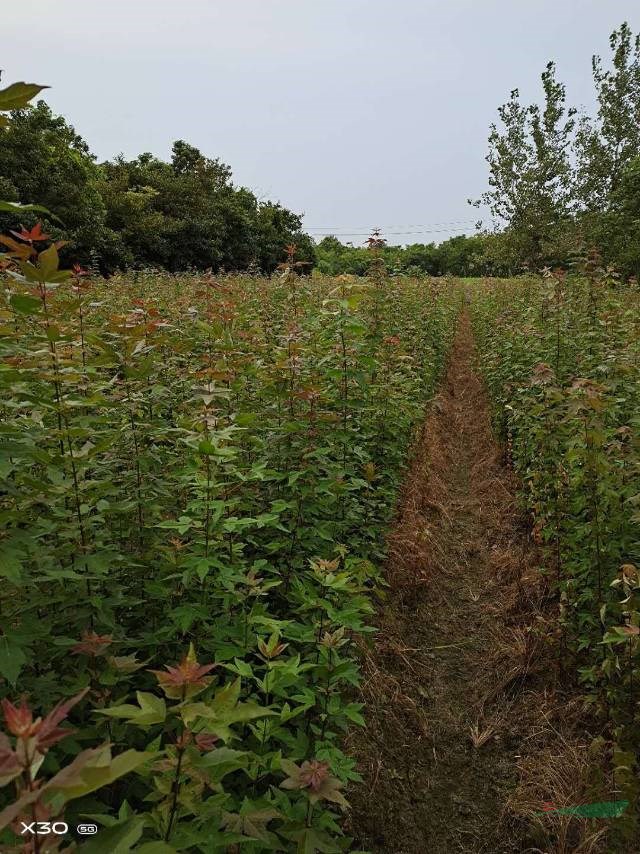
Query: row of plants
x,y
196,476
561,358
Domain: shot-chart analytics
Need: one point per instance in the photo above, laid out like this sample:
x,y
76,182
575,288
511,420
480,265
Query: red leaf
x,y
48,731
31,236
19,719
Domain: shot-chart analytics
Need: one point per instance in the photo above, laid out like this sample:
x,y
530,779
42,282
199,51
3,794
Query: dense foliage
x,y
198,470
141,213
561,357
560,181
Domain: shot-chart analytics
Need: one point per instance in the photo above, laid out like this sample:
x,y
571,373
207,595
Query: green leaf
x,y
93,769
243,668
53,332
223,711
12,658
30,272
11,566
309,841
117,839
352,711
48,261
220,762
18,95
25,304
16,207
152,710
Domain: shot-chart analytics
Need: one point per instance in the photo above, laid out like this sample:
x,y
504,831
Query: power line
x,y
389,233
355,228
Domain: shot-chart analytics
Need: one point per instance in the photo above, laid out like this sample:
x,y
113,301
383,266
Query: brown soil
x,y
458,684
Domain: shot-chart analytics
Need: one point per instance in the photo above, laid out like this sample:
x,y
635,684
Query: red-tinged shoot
x,y
39,733
92,644
206,741
313,774
33,235
271,648
186,679
314,777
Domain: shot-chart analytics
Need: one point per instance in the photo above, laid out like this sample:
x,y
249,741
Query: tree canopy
x,y
561,184
181,214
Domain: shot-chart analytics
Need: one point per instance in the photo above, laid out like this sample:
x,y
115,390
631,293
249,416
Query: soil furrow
x,y
446,684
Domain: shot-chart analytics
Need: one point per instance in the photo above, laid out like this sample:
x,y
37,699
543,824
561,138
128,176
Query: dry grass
x,y
480,735
467,542
559,776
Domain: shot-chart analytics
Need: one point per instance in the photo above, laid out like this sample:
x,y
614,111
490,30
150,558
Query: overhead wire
x,y
387,233
352,229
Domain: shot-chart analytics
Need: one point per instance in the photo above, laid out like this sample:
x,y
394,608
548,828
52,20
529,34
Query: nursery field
x,y
197,474
231,540
338,551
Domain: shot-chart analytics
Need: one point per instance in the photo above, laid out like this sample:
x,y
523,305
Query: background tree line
x,y
474,255
183,214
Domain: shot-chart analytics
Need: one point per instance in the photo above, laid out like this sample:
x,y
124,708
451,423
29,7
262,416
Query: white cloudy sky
x,y
356,113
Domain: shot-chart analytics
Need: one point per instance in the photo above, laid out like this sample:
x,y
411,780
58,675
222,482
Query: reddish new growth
x,y
313,774
19,719
314,777
21,724
271,649
186,673
35,234
376,241
92,644
185,679
206,741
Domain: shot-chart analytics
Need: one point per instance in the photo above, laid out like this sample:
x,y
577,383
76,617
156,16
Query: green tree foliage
x,y
529,169
559,185
605,147
619,228
464,255
275,224
43,160
145,212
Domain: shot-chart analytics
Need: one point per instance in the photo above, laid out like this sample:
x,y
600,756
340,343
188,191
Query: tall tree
x,y
188,214
606,145
529,167
616,230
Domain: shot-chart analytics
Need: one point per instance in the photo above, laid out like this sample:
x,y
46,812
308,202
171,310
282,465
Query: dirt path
x,y
447,683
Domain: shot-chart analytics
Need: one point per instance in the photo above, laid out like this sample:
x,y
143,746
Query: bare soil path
x,y
447,684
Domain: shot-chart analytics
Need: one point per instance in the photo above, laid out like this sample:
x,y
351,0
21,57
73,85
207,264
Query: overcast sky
x,y
354,113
